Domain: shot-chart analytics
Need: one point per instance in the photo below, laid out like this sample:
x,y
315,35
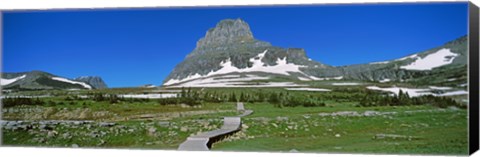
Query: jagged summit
x,y
227,31
226,35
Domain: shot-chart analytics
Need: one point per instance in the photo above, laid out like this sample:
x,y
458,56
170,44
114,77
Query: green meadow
x,y
330,122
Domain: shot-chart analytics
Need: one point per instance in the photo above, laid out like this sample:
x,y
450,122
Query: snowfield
x,y
460,92
326,78
149,96
384,80
346,84
440,58
239,84
383,62
309,89
282,68
227,81
452,79
5,82
72,82
304,79
440,88
419,92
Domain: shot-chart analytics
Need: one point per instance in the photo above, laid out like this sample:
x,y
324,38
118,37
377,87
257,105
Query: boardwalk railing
x,y
204,141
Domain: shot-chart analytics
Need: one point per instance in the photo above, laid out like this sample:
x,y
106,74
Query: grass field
x,y
340,126
433,131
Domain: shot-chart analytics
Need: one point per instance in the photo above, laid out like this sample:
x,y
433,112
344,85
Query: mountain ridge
x,y
40,80
232,42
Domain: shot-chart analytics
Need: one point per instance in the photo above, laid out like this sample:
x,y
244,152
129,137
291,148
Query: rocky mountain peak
x,y
228,31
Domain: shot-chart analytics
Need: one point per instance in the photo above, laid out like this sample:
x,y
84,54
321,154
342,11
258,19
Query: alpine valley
x,y
234,92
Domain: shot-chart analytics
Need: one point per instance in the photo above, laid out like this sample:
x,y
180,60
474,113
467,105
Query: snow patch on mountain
x,y
309,89
452,93
385,80
304,78
282,68
228,81
150,96
326,78
440,58
5,82
383,62
440,88
188,78
345,84
72,82
446,91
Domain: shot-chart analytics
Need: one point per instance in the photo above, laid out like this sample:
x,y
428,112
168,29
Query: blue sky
x,y
132,47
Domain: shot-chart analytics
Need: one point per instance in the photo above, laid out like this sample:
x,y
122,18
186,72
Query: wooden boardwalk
x,y
204,141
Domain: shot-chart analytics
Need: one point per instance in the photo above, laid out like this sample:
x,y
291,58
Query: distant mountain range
x,y
39,80
229,55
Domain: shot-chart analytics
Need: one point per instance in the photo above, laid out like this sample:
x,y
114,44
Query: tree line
x,y
404,99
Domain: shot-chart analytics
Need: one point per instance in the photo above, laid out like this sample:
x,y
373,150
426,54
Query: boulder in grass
x,y
106,124
395,137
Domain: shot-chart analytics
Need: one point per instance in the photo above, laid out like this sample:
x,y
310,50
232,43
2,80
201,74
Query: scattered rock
x,y
152,131
94,134
163,124
106,124
282,118
454,108
75,146
66,135
102,142
393,136
337,135
51,134
42,140
183,129
293,151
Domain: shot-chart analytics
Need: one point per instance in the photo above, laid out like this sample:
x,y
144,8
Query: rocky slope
x,y
452,55
96,81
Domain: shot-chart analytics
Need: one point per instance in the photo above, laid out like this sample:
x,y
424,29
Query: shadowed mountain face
x,y
230,48
96,81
